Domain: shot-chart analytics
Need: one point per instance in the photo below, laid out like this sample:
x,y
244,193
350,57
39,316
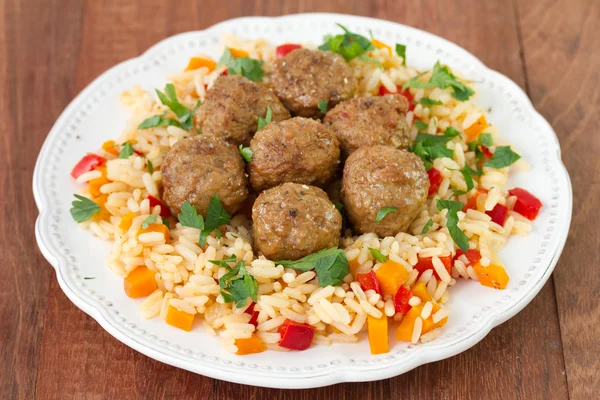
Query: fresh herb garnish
x,y
87,278
262,122
224,262
158,120
401,51
485,139
442,77
383,212
377,255
237,285
420,124
466,173
247,67
323,106
184,114
503,157
83,208
189,216
340,208
126,151
150,219
349,45
331,266
427,226
150,166
215,217
426,101
457,235
429,147
166,223
246,153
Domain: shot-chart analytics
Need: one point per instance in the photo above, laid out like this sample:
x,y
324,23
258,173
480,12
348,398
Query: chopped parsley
x,y
150,166
383,212
323,106
246,152
83,208
340,208
426,101
126,151
224,262
215,217
331,266
442,77
429,147
457,235
503,157
189,216
377,255
485,139
349,45
184,114
237,284
262,122
427,226
247,67
420,124
158,120
150,219
87,278
401,51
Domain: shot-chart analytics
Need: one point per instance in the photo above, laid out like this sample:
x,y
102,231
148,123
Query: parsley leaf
x,y
442,77
383,212
246,153
224,262
485,139
262,122
420,124
426,101
366,58
247,67
457,235
401,51
427,226
466,173
349,45
451,133
83,208
126,151
150,166
150,219
237,285
323,106
377,255
215,217
331,266
158,120
503,157
184,114
166,223
189,216
429,147
340,208
87,278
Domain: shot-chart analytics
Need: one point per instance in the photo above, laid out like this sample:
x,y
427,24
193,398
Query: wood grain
x,y
50,349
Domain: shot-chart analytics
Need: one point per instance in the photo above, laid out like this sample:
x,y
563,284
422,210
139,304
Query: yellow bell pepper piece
x,y
391,275
197,63
126,221
493,276
179,319
474,130
140,282
405,329
381,45
378,335
420,290
251,345
237,53
156,228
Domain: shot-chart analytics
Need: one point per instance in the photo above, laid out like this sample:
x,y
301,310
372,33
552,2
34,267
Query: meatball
x,y
382,176
368,121
303,78
292,221
232,107
299,150
195,169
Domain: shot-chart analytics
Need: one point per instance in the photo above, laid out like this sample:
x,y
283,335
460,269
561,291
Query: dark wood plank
x,y
561,45
36,86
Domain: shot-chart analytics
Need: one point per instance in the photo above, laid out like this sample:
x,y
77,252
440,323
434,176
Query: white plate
x,y
96,115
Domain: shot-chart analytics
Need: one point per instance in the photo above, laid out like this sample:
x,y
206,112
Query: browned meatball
x,y
367,121
292,221
232,107
195,169
297,150
382,176
304,77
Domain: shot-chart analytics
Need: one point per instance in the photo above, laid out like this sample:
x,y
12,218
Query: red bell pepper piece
x,y
486,153
296,336
435,180
472,256
472,202
527,204
401,299
164,210
282,50
406,93
426,263
369,281
253,314
498,214
86,164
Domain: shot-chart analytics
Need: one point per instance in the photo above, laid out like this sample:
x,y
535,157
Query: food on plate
x,y
292,221
383,189
299,150
424,196
369,121
233,106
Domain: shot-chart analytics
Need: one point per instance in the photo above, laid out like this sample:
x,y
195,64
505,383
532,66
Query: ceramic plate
x,y
96,115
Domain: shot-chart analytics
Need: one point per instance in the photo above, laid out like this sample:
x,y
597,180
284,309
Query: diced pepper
x,y
493,276
426,263
401,299
420,290
253,314
237,53
486,153
527,204
156,228
428,324
435,180
378,334
180,319
369,281
476,128
405,329
110,147
251,345
498,214
165,212
472,256
87,164
97,183
354,265
391,275
104,214
381,45
472,202
126,221
140,282
197,63
281,51
296,336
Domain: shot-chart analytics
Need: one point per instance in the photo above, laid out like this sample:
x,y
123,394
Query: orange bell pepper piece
x,y
420,290
353,266
251,345
110,147
476,128
103,214
237,53
197,63
381,45
156,228
493,275
140,282
391,275
126,221
378,334
180,319
97,183
405,329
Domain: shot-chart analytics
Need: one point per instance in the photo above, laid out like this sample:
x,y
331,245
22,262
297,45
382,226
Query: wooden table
x,y
48,53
